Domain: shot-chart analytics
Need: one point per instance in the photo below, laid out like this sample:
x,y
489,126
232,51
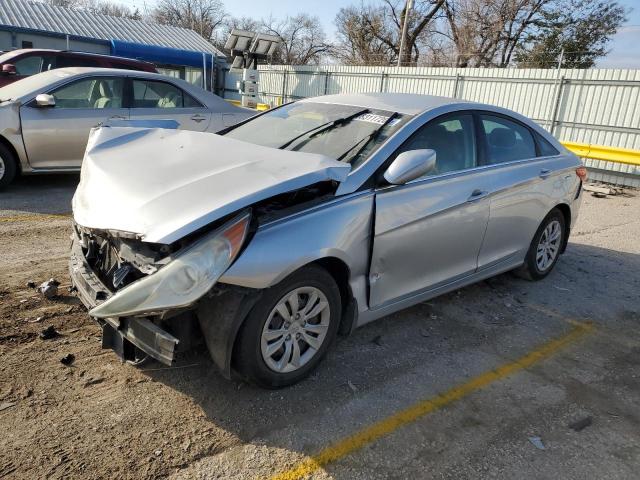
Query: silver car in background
x,y
45,119
308,220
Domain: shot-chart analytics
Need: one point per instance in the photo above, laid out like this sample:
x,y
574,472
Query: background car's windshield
x,y
281,126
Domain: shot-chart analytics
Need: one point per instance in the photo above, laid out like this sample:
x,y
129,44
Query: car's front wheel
x,y
8,167
289,330
545,247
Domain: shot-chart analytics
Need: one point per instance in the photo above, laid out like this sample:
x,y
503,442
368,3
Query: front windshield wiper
x,y
367,139
324,127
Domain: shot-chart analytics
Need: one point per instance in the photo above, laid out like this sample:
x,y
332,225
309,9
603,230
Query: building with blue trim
x,y
176,51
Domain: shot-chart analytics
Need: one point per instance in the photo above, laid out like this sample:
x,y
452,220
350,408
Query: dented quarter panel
x,y
340,228
10,130
164,184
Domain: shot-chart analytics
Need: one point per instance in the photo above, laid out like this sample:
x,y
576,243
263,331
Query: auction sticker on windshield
x,y
374,118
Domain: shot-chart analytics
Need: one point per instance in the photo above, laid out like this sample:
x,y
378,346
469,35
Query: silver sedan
x,y
45,119
310,220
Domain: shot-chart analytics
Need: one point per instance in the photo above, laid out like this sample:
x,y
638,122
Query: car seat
x,y
106,95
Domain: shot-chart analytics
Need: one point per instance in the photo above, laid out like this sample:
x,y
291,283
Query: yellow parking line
x,y
28,218
388,425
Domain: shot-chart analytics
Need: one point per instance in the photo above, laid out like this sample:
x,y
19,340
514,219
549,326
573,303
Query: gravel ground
x,y
99,418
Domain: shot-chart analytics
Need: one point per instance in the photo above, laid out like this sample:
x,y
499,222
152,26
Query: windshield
x,y
31,84
341,132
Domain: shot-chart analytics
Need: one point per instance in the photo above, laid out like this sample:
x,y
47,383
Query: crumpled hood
x,y
163,184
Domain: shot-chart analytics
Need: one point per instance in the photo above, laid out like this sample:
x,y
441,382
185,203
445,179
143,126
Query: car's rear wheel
x,y
289,330
8,167
545,247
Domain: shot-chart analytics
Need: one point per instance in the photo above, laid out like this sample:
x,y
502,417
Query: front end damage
x,y
152,236
98,271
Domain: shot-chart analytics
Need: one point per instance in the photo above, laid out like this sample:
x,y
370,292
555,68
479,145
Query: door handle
x,y
198,118
544,173
477,194
117,117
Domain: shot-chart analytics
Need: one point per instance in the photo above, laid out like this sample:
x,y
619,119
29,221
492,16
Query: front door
x,y
56,137
158,100
429,231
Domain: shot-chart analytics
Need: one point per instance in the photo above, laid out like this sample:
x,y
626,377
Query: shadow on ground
x,y
427,347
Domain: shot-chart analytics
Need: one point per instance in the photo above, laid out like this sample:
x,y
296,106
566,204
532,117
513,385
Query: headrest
x,y
502,137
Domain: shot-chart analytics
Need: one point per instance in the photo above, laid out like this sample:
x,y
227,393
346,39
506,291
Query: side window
x,y
506,140
29,65
101,92
154,94
453,139
546,149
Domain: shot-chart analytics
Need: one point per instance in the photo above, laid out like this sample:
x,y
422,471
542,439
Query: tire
x,y
267,358
534,268
8,167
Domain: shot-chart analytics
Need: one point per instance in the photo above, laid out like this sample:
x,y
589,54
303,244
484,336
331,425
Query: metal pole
x,y
204,71
407,10
456,85
326,82
556,107
560,60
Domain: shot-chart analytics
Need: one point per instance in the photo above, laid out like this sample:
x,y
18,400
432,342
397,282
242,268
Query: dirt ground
x,y
98,418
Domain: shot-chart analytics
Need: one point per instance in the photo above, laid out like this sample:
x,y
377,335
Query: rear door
x,y
160,100
56,137
525,182
429,231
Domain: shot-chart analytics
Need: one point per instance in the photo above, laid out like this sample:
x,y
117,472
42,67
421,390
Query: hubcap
x,y
295,330
549,245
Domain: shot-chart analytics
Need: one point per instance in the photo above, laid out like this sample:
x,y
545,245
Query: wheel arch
x,y
12,150
566,213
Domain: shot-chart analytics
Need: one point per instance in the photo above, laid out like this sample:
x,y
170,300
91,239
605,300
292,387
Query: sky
x,y
624,47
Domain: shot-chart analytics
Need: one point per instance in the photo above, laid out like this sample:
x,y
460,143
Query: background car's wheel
x,y
8,167
545,247
289,330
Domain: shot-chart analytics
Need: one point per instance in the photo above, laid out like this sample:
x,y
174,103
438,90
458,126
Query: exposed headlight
x,y
185,279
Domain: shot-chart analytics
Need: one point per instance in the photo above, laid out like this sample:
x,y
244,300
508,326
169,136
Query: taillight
x,y
581,172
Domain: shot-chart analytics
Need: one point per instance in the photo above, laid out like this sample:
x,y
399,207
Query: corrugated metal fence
x,y
600,107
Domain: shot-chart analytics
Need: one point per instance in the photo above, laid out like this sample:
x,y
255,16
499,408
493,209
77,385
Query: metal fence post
x,y
284,87
326,81
456,86
556,106
383,76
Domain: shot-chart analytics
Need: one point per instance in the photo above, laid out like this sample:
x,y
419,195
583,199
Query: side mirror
x,y
410,165
45,100
9,69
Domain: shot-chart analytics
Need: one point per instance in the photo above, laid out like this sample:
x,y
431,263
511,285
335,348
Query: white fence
x,y
600,107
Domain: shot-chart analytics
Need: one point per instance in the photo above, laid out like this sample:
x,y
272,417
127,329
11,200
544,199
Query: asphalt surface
x,y
485,382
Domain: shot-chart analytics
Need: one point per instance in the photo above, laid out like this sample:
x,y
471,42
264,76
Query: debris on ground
x,y
31,284
49,333
158,453
35,320
5,405
581,424
352,386
49,289
68,359
93,381
537,442
377,340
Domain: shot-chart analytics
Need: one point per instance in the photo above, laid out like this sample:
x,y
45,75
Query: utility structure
x,y
403,34
246,49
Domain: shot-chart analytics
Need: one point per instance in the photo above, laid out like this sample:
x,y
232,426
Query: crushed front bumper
x,y
123,335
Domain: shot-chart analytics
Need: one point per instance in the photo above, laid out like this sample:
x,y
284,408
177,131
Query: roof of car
x,y
409,103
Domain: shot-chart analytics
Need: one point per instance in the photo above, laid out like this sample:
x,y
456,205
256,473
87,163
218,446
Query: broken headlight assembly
x,y
185,279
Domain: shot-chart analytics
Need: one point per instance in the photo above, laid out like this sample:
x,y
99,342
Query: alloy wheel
x,y
295,329
548,246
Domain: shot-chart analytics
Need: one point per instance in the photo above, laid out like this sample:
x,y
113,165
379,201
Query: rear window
x,y
546,149
79,61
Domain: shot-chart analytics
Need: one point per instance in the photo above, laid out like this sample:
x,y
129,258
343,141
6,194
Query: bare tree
x,y
203,16
103,7
303,39
370,30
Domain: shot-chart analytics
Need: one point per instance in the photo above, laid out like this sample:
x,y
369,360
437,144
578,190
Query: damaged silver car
x,y
309,220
